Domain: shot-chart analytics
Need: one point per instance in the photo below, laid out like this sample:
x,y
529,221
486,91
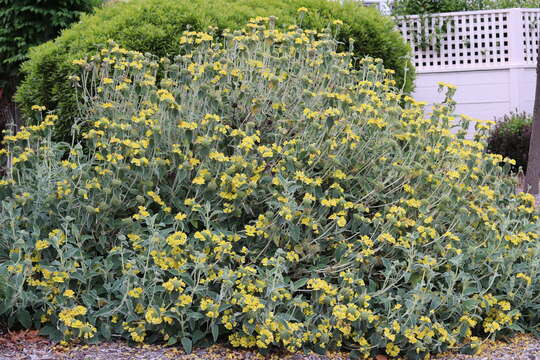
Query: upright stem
x,y
533,165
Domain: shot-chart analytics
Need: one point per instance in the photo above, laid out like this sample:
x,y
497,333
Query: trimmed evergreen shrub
x,y
154,25
267,194
510,137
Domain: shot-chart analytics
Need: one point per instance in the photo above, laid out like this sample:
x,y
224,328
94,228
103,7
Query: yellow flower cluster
x,y
68,317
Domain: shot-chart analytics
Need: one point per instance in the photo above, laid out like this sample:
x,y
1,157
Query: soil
x,y
28,345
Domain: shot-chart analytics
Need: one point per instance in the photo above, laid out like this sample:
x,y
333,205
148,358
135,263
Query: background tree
x,y
27,23
533,169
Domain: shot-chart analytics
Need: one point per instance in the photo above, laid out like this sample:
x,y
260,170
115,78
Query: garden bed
x,y
27,345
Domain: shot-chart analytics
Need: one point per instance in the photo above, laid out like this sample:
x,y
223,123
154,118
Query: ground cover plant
x,y
154,26
267,193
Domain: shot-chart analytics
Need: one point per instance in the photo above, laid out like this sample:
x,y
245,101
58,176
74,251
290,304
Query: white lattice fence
x,y
474,39
490,56
529,21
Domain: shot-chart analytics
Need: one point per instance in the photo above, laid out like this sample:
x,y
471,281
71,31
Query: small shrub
x,y
154,25
266,193
510,137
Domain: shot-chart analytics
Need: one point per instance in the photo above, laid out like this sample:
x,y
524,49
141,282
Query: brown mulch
x,y
521,347
28,345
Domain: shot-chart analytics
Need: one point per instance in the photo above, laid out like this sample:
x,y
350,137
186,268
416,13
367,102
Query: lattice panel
x,y
458,40
530,23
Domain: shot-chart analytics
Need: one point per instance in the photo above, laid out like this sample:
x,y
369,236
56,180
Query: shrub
x,y
265,193
511,137
153,26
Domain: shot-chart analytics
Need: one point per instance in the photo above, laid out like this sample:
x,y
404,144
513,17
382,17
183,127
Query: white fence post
x,y
515,36
516,57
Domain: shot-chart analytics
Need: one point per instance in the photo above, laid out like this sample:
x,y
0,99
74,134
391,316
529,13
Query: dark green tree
x,y
26,23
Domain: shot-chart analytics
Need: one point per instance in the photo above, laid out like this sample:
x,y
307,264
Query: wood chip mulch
x,y
28,345
521,347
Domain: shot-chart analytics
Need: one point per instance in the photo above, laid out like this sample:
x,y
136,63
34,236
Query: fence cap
x,y
464,13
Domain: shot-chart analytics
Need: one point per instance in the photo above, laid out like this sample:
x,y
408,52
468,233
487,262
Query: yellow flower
x,y
174,284
42,244
211,306
199,180
388,334
392,349
69,293
340,312
184,300
505,305
176,239
251,303
292,256
413,203
524,277
143,213
180,216
136,292
153,317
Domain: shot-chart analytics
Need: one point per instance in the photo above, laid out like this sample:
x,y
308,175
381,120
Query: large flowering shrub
x,y
264,193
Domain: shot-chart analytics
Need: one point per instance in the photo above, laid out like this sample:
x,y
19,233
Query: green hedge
x,y
155,26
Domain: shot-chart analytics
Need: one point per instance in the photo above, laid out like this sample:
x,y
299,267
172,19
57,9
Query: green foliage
x,y
5,291
416,7
503,4
153,26
26,23
266,193
3,288
511,137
